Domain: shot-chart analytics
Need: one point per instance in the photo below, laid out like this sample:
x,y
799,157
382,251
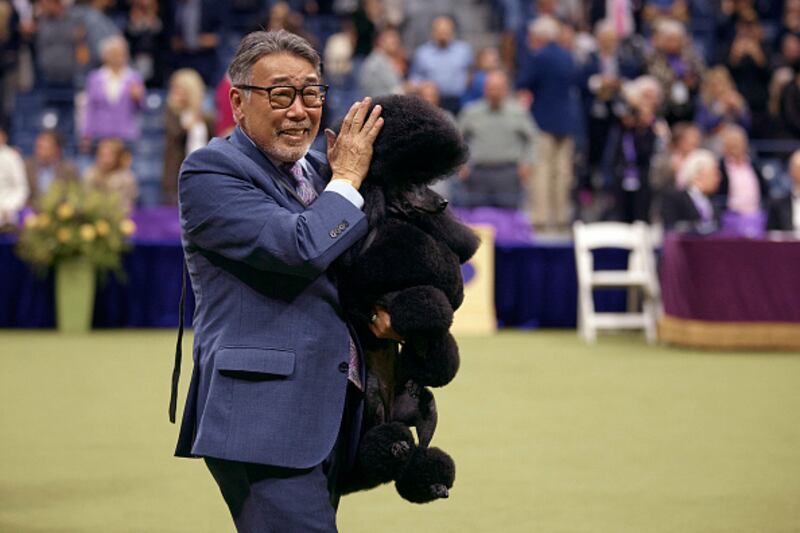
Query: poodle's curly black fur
x,y
409,264
417,145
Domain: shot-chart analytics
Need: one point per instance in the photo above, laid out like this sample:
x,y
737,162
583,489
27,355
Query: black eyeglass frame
x,y
301,90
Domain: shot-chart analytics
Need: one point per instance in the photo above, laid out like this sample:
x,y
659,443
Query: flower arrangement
x,y
72,221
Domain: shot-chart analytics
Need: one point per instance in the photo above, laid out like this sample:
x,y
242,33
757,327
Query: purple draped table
x,y
730,292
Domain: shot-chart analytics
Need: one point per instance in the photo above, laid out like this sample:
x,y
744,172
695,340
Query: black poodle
x,y
410,264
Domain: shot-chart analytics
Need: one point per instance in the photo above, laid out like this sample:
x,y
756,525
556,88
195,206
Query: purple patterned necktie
x,y
303,185
307,193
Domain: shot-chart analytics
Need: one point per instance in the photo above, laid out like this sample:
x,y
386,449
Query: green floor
x,y
549,436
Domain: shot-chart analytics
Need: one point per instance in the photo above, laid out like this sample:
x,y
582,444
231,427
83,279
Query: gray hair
x,y
258,44
696,161
546,28
110,42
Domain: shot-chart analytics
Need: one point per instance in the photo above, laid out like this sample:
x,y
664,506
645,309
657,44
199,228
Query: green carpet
x,y
549,435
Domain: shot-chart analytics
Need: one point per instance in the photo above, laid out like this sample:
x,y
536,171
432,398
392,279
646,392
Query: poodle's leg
x,y
415,406
429,475
430,360
418,310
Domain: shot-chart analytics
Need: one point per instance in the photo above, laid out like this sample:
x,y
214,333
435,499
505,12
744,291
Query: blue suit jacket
x,y
551,75
271,345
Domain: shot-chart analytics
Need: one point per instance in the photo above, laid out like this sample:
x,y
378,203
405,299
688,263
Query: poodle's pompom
x,y
418,143
418,310
383,451
430,360
428,476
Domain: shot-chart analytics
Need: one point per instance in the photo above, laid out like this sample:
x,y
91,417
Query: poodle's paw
x,y
428,476
401,449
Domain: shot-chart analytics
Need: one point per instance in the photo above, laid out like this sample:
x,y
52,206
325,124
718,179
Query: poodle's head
x,y
417,145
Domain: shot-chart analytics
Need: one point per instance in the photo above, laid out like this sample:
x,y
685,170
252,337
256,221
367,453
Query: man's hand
x,y
350,153
381,325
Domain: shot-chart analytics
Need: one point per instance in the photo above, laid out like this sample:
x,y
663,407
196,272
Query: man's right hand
x,y
350,153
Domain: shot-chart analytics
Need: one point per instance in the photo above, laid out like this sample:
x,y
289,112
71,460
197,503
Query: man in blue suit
x,y
273,355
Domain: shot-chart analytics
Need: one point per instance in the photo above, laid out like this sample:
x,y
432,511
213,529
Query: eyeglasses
x,y
282,96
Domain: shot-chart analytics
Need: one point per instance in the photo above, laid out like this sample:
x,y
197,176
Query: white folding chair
x,y
639,278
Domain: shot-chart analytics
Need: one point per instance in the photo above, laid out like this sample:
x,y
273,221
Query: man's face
x,y
46,150
442,31
496,88
283,134
707,179
734,145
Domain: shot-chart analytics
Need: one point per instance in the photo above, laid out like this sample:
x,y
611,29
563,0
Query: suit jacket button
x,y
343,367
333,234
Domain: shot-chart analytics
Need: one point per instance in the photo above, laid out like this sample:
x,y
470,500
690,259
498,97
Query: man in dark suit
x,y
783,213
691,209
273,356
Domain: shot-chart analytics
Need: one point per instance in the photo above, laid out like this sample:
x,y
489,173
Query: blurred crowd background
x,y
680,112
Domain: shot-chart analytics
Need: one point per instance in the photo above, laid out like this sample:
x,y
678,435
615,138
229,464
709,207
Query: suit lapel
x,y
275,175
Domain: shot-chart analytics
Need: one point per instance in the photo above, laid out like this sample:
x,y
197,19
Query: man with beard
x,y
273,357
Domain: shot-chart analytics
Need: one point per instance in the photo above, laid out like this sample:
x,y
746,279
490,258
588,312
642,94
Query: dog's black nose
x,y
443,204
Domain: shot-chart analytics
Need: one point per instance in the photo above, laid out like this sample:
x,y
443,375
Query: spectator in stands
x,y
601,80
10,40
60,44
224,121
145,34
784,212
111,172
692,208
445,61
790,22
741,185
720,104
678,67
114,96
790,104
500,134
195,34
549,77
47,165
785,64
655,10
748,63
187,127
363,26
487,60
633,143
14,187
685,138
98,26
381,73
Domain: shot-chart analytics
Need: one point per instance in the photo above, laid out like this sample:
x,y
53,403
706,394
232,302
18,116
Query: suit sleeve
x,y
225,213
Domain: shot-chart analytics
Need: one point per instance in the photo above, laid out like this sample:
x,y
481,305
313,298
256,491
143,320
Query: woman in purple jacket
x,y
114,96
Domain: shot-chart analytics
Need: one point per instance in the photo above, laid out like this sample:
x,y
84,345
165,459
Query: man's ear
x,y
236,99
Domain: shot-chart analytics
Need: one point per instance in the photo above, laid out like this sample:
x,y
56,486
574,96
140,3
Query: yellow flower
x,y
102,227
88,233
44,220
127,227
63,235
65,211
31,221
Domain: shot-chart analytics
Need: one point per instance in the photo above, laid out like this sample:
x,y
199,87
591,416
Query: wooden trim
x,y
729,335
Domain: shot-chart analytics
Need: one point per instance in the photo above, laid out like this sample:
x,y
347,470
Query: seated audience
x,y
784,212
500,134
47,165
13,185
691,209
487,60
114,96
748,62
686,137
187,126
111,172
145,33
741,186
224,121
